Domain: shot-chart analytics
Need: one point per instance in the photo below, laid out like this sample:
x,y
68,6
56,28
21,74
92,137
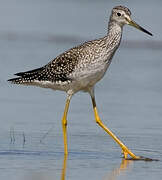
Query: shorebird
x,y
81,67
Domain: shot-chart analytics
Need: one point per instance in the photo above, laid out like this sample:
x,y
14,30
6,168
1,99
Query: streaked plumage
x,y
75,64
77,68
81,67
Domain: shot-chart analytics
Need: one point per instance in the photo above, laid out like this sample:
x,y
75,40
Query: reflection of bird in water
x,y
81,67
124,167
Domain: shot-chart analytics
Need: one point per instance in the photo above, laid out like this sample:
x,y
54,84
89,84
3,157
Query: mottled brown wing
x,y
56,70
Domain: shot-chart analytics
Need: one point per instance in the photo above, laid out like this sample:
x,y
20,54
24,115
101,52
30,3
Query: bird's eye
x,y
118,14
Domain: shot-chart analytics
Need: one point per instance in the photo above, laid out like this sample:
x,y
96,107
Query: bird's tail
x,y
27,77
18,80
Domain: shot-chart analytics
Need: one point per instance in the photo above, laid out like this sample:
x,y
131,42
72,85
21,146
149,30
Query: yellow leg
x,y
125,150
64,124
64,168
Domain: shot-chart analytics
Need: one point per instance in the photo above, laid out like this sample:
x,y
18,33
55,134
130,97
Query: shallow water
x,y
128,98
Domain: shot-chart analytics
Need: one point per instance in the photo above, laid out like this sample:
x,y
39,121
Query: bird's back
x,y
65,67
78,68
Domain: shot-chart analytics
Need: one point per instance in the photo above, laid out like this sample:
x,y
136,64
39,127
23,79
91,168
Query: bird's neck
x,y
114,34
114,27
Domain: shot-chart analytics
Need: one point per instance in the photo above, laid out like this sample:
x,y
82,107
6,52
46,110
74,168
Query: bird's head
x,y
122,15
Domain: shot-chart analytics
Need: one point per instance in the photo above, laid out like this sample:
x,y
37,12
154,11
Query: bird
x,y
81,67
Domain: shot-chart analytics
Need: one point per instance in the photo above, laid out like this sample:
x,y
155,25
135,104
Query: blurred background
x,y
129,97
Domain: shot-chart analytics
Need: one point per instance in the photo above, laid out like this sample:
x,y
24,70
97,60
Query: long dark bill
x,y
134,24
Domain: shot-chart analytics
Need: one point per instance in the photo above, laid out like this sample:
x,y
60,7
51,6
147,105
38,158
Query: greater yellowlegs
x,y
81,67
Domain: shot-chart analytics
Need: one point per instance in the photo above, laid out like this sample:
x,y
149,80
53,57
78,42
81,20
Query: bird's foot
x,y
134,157
126,152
